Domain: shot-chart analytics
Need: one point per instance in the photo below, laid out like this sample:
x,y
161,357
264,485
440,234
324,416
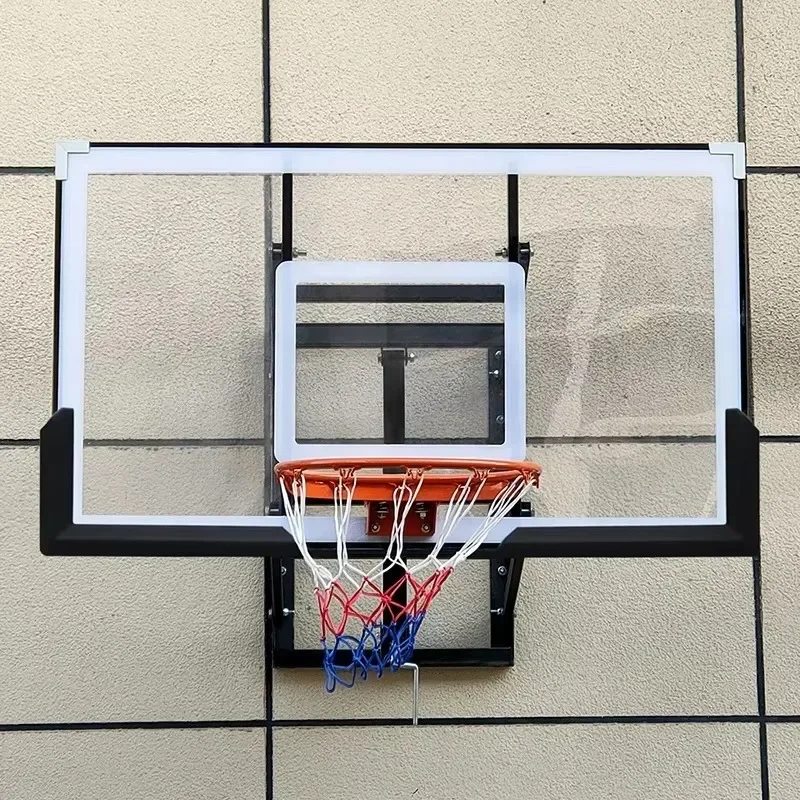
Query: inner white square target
x,y
400,359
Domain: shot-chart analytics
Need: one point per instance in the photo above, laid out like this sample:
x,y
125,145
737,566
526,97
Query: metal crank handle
x,y
415,695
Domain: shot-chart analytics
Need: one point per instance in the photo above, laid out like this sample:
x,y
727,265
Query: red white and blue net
x,y
368,627
382,639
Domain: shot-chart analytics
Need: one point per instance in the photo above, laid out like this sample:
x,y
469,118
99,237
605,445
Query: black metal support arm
x,y
505,575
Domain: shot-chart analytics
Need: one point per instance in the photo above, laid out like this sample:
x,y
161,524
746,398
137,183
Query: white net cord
x,y
404,497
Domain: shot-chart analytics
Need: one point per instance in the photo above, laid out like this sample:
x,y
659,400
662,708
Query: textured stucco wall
x,y
166,658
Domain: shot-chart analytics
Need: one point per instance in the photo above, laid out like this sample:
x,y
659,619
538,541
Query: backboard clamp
x,y
516,251
524,257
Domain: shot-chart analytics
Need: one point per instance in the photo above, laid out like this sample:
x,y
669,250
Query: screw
x,y
498,353
411,358
375,527
283,570
497,611
426,528
503,251
502,570
495,373
499,419
297,252
288,612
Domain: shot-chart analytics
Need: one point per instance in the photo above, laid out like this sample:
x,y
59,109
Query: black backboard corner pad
x,y
738,536
60,535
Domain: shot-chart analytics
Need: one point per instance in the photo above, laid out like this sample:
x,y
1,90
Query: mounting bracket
x,y
504,579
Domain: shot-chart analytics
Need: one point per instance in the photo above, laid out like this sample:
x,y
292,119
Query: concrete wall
x,y
148,679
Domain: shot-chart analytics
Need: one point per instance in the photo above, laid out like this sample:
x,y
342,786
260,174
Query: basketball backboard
x,y
221,307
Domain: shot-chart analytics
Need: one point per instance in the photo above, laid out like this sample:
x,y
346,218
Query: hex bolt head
x,y
501,570
426,528
375,527
499,419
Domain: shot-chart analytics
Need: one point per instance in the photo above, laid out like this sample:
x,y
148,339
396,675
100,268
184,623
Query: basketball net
x,y
367,627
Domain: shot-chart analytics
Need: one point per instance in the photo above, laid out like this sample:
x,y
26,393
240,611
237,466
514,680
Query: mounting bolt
x,y
283,570
497,611
498,353
411,358
426,528
495,373
499,419
503,251
288,612
297,252
375,527
501,570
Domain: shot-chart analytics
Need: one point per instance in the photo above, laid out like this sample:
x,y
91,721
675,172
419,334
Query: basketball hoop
x,y
367,627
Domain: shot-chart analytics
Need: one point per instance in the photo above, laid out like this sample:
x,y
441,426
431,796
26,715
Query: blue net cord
x,y
379,649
